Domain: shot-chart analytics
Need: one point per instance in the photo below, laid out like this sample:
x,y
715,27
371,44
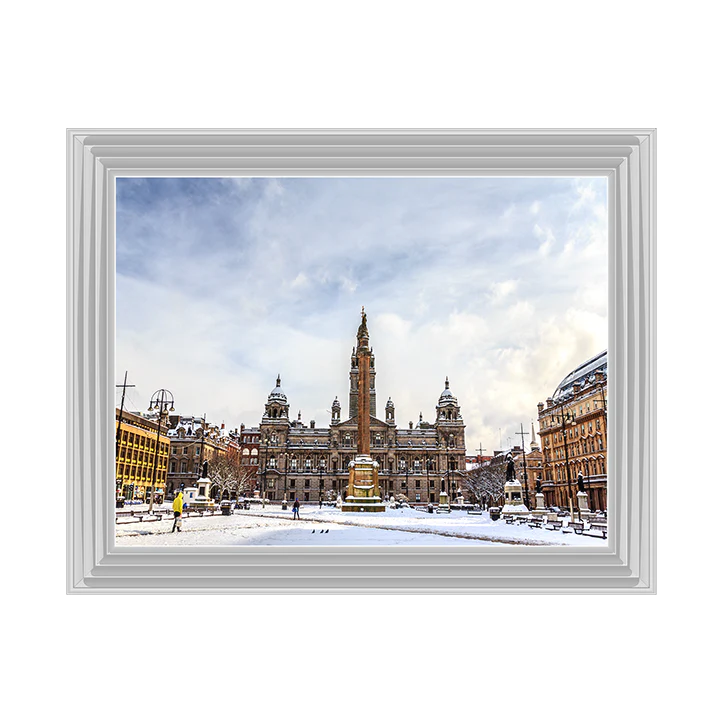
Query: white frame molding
x,y
97,157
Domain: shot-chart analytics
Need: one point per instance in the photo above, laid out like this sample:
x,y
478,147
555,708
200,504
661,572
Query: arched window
x,y
293,463
272,462
307,463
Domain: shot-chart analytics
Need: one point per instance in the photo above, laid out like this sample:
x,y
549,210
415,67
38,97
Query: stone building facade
x,y
310,463
194,441
573,435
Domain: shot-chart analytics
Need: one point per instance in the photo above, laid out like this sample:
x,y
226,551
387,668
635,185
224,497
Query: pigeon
x,y
313,531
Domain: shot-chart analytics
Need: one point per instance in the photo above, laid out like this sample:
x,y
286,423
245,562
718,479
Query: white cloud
x,y
219,290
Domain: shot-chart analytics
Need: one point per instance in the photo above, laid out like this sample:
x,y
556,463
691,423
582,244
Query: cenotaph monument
x,y
363,490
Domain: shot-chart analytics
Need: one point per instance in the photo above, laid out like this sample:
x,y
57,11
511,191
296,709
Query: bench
x,y
534,523
553,525
600,526
474,512
510,520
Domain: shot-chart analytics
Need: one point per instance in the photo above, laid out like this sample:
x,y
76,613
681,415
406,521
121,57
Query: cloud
x,y
224,283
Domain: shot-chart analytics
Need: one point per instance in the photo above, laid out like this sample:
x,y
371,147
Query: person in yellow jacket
x,y
177,512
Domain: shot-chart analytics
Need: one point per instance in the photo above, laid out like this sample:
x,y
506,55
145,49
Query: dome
x,y
583,374
446,397
277,393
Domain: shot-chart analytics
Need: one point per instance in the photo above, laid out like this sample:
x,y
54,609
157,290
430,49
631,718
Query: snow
x,y
408,526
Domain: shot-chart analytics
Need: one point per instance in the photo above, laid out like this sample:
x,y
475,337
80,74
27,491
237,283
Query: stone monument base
x,y
363,492
583,505
513,499
540,509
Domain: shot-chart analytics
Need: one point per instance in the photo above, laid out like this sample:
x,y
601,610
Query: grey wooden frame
x,y
97,157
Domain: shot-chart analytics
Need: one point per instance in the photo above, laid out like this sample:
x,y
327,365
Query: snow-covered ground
x,y
273,526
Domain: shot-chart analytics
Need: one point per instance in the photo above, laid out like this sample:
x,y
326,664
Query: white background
x,y
373,64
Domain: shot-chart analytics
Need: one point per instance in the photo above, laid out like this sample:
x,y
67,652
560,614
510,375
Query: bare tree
x,y
230,476
486,482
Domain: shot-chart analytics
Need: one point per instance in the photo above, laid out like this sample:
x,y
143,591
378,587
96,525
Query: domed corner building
x,y
573,435
308,462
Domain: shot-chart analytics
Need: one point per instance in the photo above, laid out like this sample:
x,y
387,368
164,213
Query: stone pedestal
x,y
583,505
363,490
443,500
514,503
540,508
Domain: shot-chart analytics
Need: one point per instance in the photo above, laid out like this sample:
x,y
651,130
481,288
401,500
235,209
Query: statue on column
x,y
580,482
538,485
205,470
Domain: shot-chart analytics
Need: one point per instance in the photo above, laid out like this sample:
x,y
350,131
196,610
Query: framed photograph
x,y
384,361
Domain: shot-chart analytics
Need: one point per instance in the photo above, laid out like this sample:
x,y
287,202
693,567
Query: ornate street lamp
x,y
162,401
565,419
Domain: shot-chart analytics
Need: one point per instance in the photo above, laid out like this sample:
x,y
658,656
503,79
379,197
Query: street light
x,y
265,446
162,400
565,419
322,464
428,465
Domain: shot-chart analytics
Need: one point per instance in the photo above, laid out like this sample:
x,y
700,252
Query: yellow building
x,y
136,456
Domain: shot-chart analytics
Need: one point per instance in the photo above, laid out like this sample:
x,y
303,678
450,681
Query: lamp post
x,y
406,475
565,419
263,471
162,400
321,480
428,463
285,456
522,433
199,468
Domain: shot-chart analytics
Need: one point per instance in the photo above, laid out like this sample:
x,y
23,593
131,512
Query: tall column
x,y
364,357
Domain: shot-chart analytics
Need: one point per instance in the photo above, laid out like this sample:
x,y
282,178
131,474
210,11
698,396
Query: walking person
x,y
296,509
177,512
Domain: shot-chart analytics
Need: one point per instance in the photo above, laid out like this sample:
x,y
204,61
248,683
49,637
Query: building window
x,y
307,484
292,483
198,451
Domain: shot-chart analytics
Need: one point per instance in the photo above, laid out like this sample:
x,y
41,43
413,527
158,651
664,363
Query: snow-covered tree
x,y
486,482
229,476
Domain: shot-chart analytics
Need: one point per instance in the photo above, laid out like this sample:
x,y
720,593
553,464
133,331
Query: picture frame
x,y
625,157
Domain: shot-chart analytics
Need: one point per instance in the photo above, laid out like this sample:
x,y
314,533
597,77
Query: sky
x,y
499,284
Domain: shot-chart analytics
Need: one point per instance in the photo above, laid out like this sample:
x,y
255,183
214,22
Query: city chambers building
x,y
573,436
310,463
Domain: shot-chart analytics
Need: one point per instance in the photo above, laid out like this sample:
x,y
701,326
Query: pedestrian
x,y
319,501
296,509
177,512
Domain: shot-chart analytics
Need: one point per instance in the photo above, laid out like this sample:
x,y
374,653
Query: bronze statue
x,y
538,485
580,482
510,467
